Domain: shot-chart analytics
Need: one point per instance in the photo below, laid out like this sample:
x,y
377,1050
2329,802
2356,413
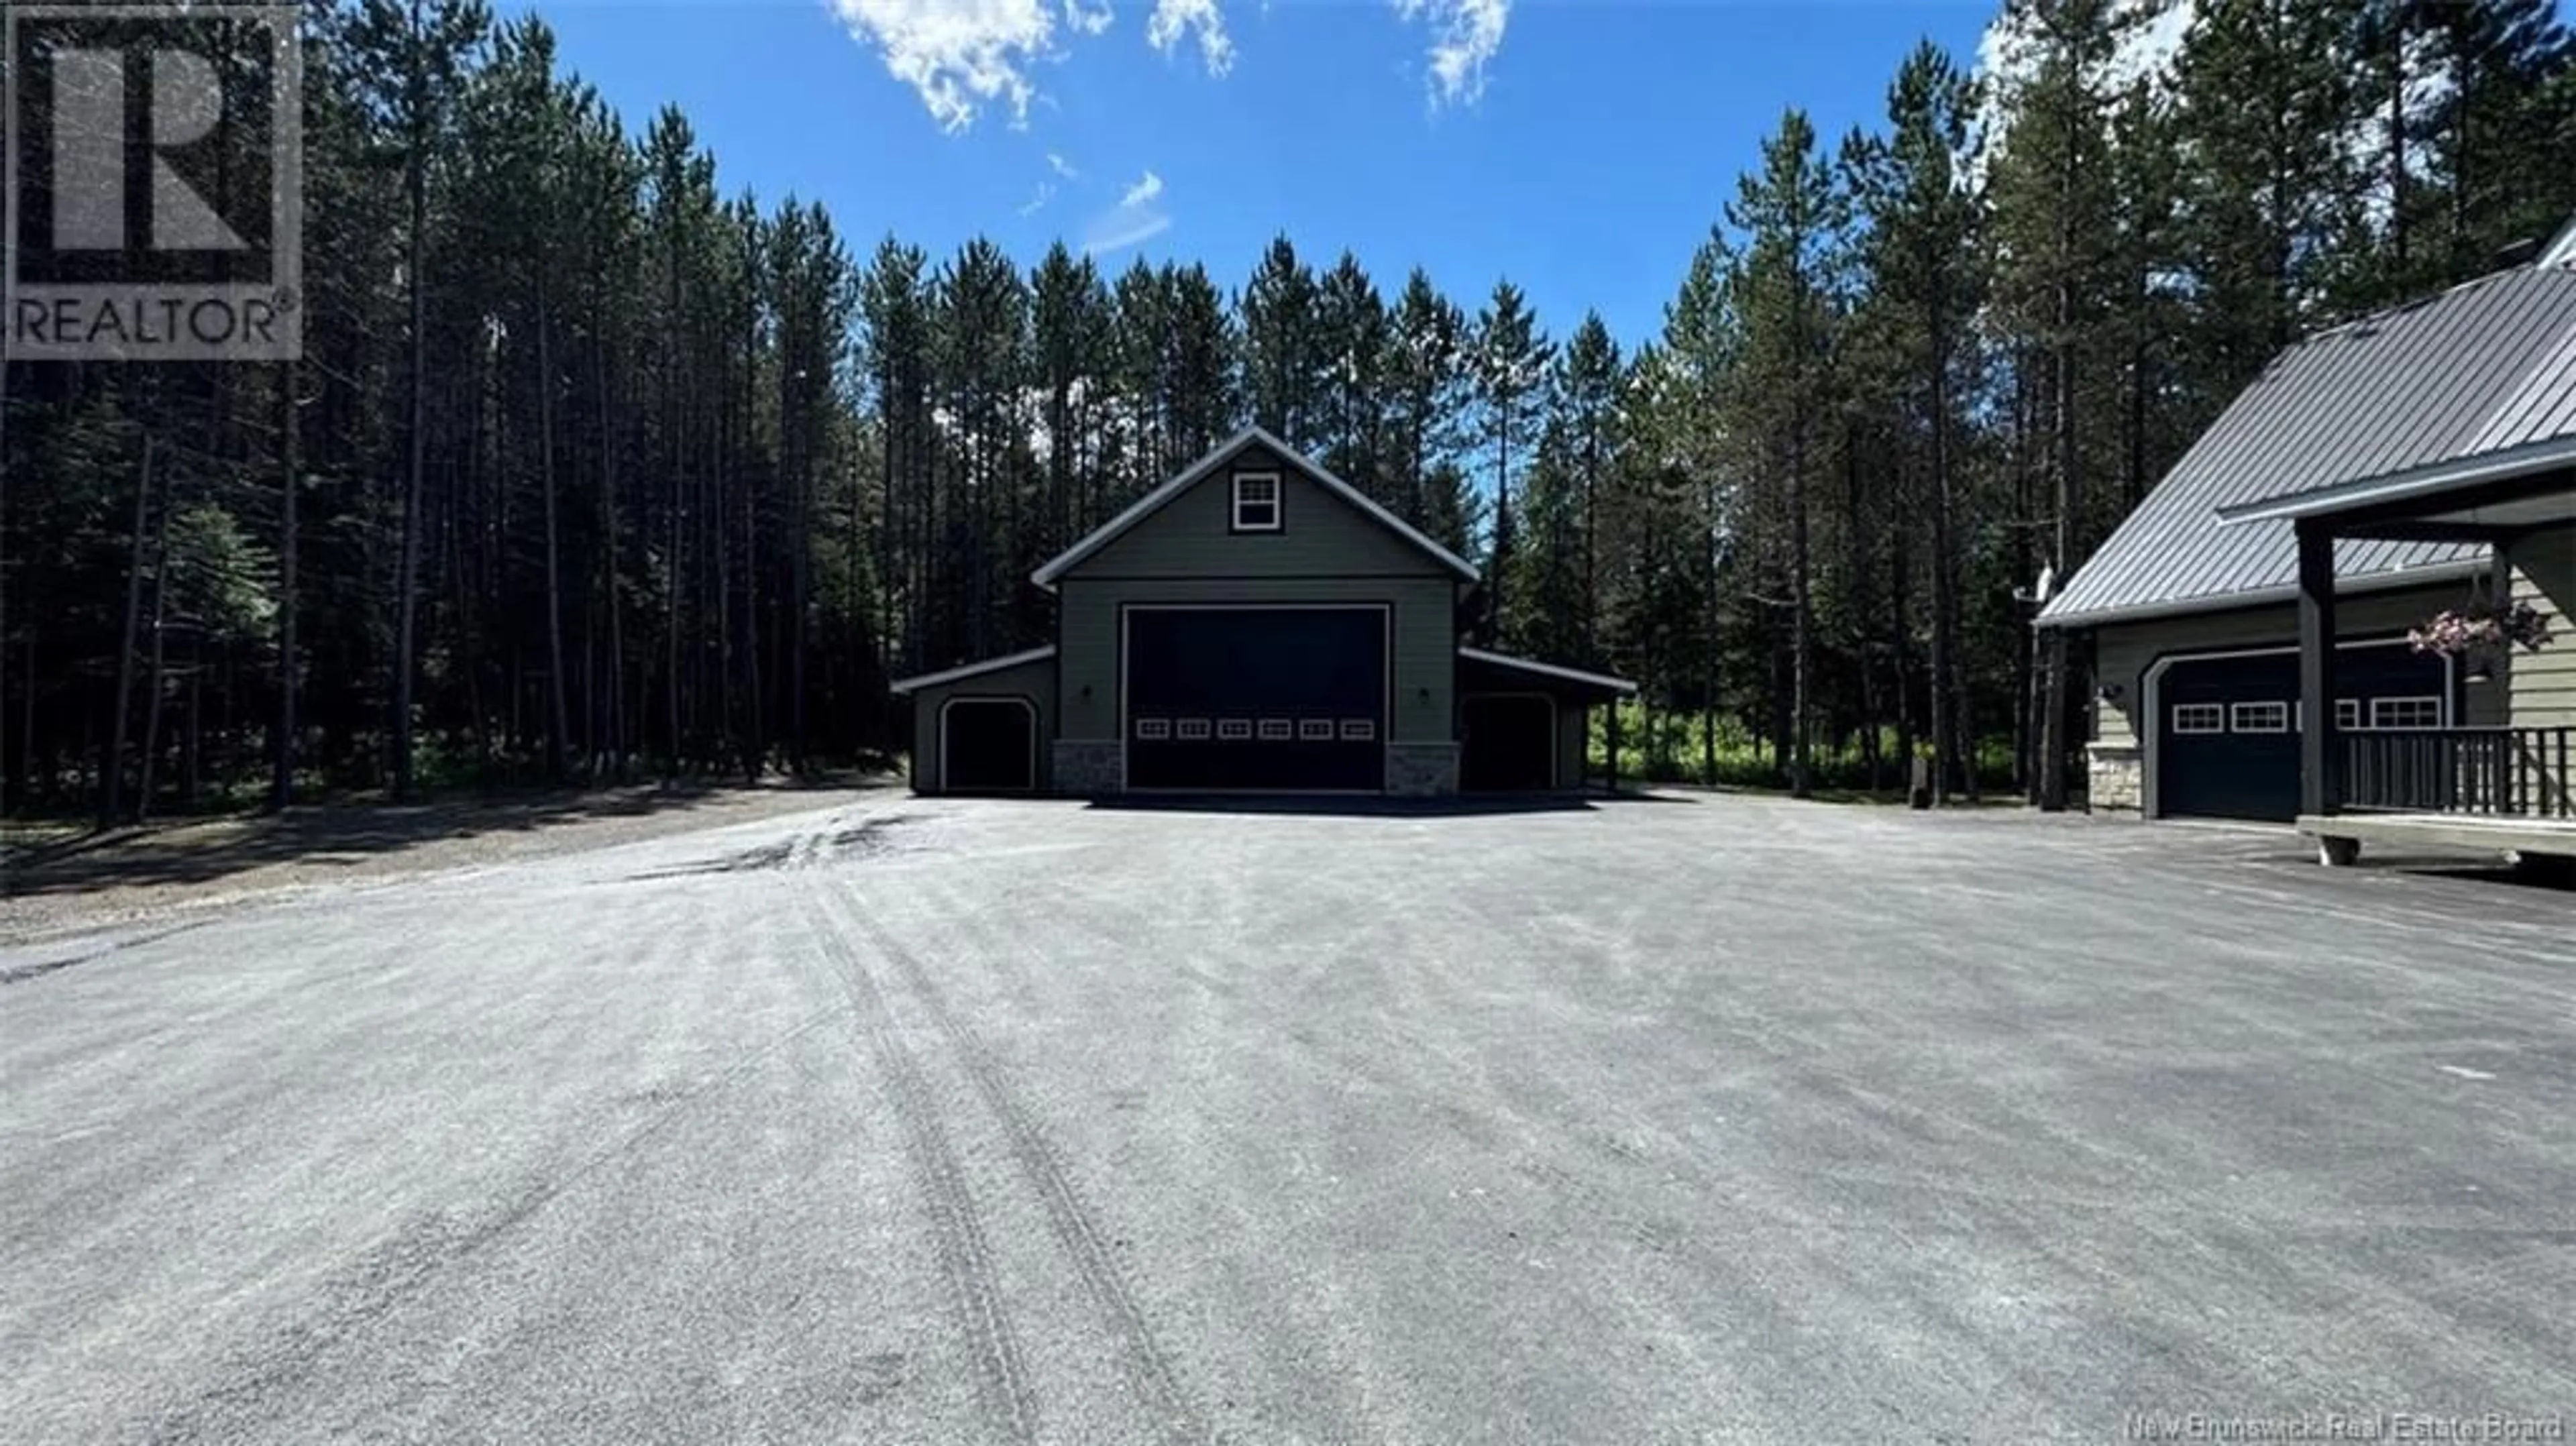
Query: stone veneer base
x,y
1421,770
2116,777
1413,770
1083,769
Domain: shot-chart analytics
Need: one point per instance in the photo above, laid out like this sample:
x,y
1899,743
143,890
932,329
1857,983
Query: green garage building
x,y
1254,625
2429,453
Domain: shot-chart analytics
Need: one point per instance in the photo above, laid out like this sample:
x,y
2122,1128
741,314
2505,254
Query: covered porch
x,y
1524,726
2502,786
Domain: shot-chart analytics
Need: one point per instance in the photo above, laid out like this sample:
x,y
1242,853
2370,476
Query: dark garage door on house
x,y
2227,739
988,745
1256,699
1507,743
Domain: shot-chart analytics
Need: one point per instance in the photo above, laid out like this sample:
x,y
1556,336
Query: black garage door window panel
x,y
1292,662
2234,774
988,745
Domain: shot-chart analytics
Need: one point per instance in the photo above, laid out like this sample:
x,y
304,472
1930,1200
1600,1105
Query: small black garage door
x,y
988,745
2228,741
1287,699
1507,743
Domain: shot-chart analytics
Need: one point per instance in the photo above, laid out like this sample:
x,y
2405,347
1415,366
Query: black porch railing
x,y
2511,772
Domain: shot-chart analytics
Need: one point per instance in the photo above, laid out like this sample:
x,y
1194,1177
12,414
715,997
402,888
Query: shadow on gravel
x,y
2227,850
1372,805
197,851
2538,875
869,838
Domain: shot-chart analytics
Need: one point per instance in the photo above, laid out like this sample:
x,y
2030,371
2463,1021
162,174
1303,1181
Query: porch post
x,y
1614,746
2320,755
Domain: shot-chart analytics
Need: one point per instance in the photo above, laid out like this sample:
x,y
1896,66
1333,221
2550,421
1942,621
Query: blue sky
x,y
1580,148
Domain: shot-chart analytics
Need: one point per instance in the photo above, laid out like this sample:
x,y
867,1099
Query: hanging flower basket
x,y
2453,634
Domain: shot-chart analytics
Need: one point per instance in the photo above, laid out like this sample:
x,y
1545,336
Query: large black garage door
x,y
1253,699
2228,741
1507,743
988,745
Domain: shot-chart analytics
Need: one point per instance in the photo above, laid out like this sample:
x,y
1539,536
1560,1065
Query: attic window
x,y
1256,502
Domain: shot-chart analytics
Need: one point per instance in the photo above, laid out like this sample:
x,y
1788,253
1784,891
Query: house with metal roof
x,y
2249,623
1255,625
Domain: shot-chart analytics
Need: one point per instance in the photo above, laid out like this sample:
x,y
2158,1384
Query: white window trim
x,y
1233,730
2348,715
1191,730
1359,730
1314,730
2378,721
1153,730
2276,712
1278,730
2215,712
1278,502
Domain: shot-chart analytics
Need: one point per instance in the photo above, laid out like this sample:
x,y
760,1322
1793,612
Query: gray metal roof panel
x,y
2484,366
2542,409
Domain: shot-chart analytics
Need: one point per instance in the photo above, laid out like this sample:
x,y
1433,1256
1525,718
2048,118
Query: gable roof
x,y
2483,368
918,681
1197,472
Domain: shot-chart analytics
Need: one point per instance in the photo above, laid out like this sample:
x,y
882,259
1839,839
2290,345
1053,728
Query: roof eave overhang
x,y
961,673
1602,683
2264,597
2424,484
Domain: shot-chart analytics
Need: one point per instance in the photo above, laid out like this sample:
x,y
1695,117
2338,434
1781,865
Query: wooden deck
x,y
2340,836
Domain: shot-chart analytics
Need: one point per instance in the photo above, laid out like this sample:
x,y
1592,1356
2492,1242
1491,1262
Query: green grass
x,y
1673,748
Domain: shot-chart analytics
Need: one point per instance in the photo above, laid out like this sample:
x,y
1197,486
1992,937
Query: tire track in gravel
x,y
342,1317
965,1256
1068,1215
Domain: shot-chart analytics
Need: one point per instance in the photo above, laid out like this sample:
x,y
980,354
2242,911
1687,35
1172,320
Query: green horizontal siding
x,y
1320,535
1034,681
2542,684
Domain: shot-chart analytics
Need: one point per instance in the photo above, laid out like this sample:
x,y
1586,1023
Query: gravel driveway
x,y
915,1121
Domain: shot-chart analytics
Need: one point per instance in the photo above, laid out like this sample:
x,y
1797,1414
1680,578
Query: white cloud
x,y
1134,219
961,55
1173,20
1037,202
1465,35
1120,229
1062,167
1089,22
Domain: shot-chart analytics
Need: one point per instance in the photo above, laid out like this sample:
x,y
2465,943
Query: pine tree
x,y
1925,286
1284,363
894,304
1202,402
2503,128
2052,211
1073,330
1791,214
1426,398
409,55
2265,108
1588,381
1351,323
1682,478
1510,366
1543,616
